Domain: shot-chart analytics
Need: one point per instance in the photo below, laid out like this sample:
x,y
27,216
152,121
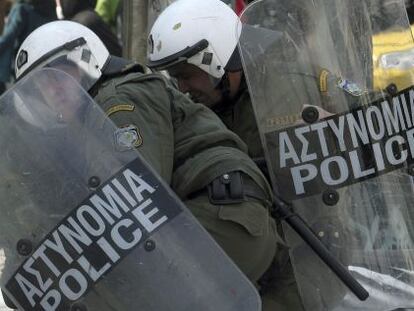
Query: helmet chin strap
x,y
224,87
234,65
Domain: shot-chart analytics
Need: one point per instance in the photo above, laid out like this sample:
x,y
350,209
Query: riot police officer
x,y
196,42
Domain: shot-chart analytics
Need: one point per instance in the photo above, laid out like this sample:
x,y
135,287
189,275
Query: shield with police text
x,y
331,82
86,225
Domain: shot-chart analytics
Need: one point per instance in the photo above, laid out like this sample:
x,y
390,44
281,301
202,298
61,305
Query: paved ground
x,y
2,304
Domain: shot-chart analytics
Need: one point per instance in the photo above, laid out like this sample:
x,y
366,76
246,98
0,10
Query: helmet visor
x,y
74,58
174,59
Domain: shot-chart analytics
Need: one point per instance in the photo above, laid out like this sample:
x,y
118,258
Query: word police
x,y
88,243
347,148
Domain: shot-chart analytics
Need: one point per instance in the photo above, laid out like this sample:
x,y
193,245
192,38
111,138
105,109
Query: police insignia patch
x,y
127,137
350,87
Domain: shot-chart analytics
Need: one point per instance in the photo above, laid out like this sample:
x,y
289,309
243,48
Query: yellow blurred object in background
x,y
393,59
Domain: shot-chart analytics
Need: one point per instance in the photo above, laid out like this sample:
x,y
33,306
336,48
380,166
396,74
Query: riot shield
x,y
87,225
331,85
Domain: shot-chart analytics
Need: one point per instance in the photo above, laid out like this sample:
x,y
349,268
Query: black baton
x,y
283,211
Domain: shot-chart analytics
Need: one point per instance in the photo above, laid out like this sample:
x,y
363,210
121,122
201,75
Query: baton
x,y
283,211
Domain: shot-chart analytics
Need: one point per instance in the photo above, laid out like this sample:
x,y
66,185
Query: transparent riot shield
x,y
331,83
86,225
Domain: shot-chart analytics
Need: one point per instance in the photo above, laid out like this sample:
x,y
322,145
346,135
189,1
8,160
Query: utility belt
x,y
231,188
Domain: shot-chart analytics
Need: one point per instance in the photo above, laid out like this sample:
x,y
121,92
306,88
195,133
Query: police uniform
x,y
278,286
239,117
206,164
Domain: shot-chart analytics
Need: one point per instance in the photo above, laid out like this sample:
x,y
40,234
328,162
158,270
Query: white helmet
x,y
200,32
63,43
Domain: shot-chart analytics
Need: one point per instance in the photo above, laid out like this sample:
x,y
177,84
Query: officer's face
x,y
197,82
60,92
